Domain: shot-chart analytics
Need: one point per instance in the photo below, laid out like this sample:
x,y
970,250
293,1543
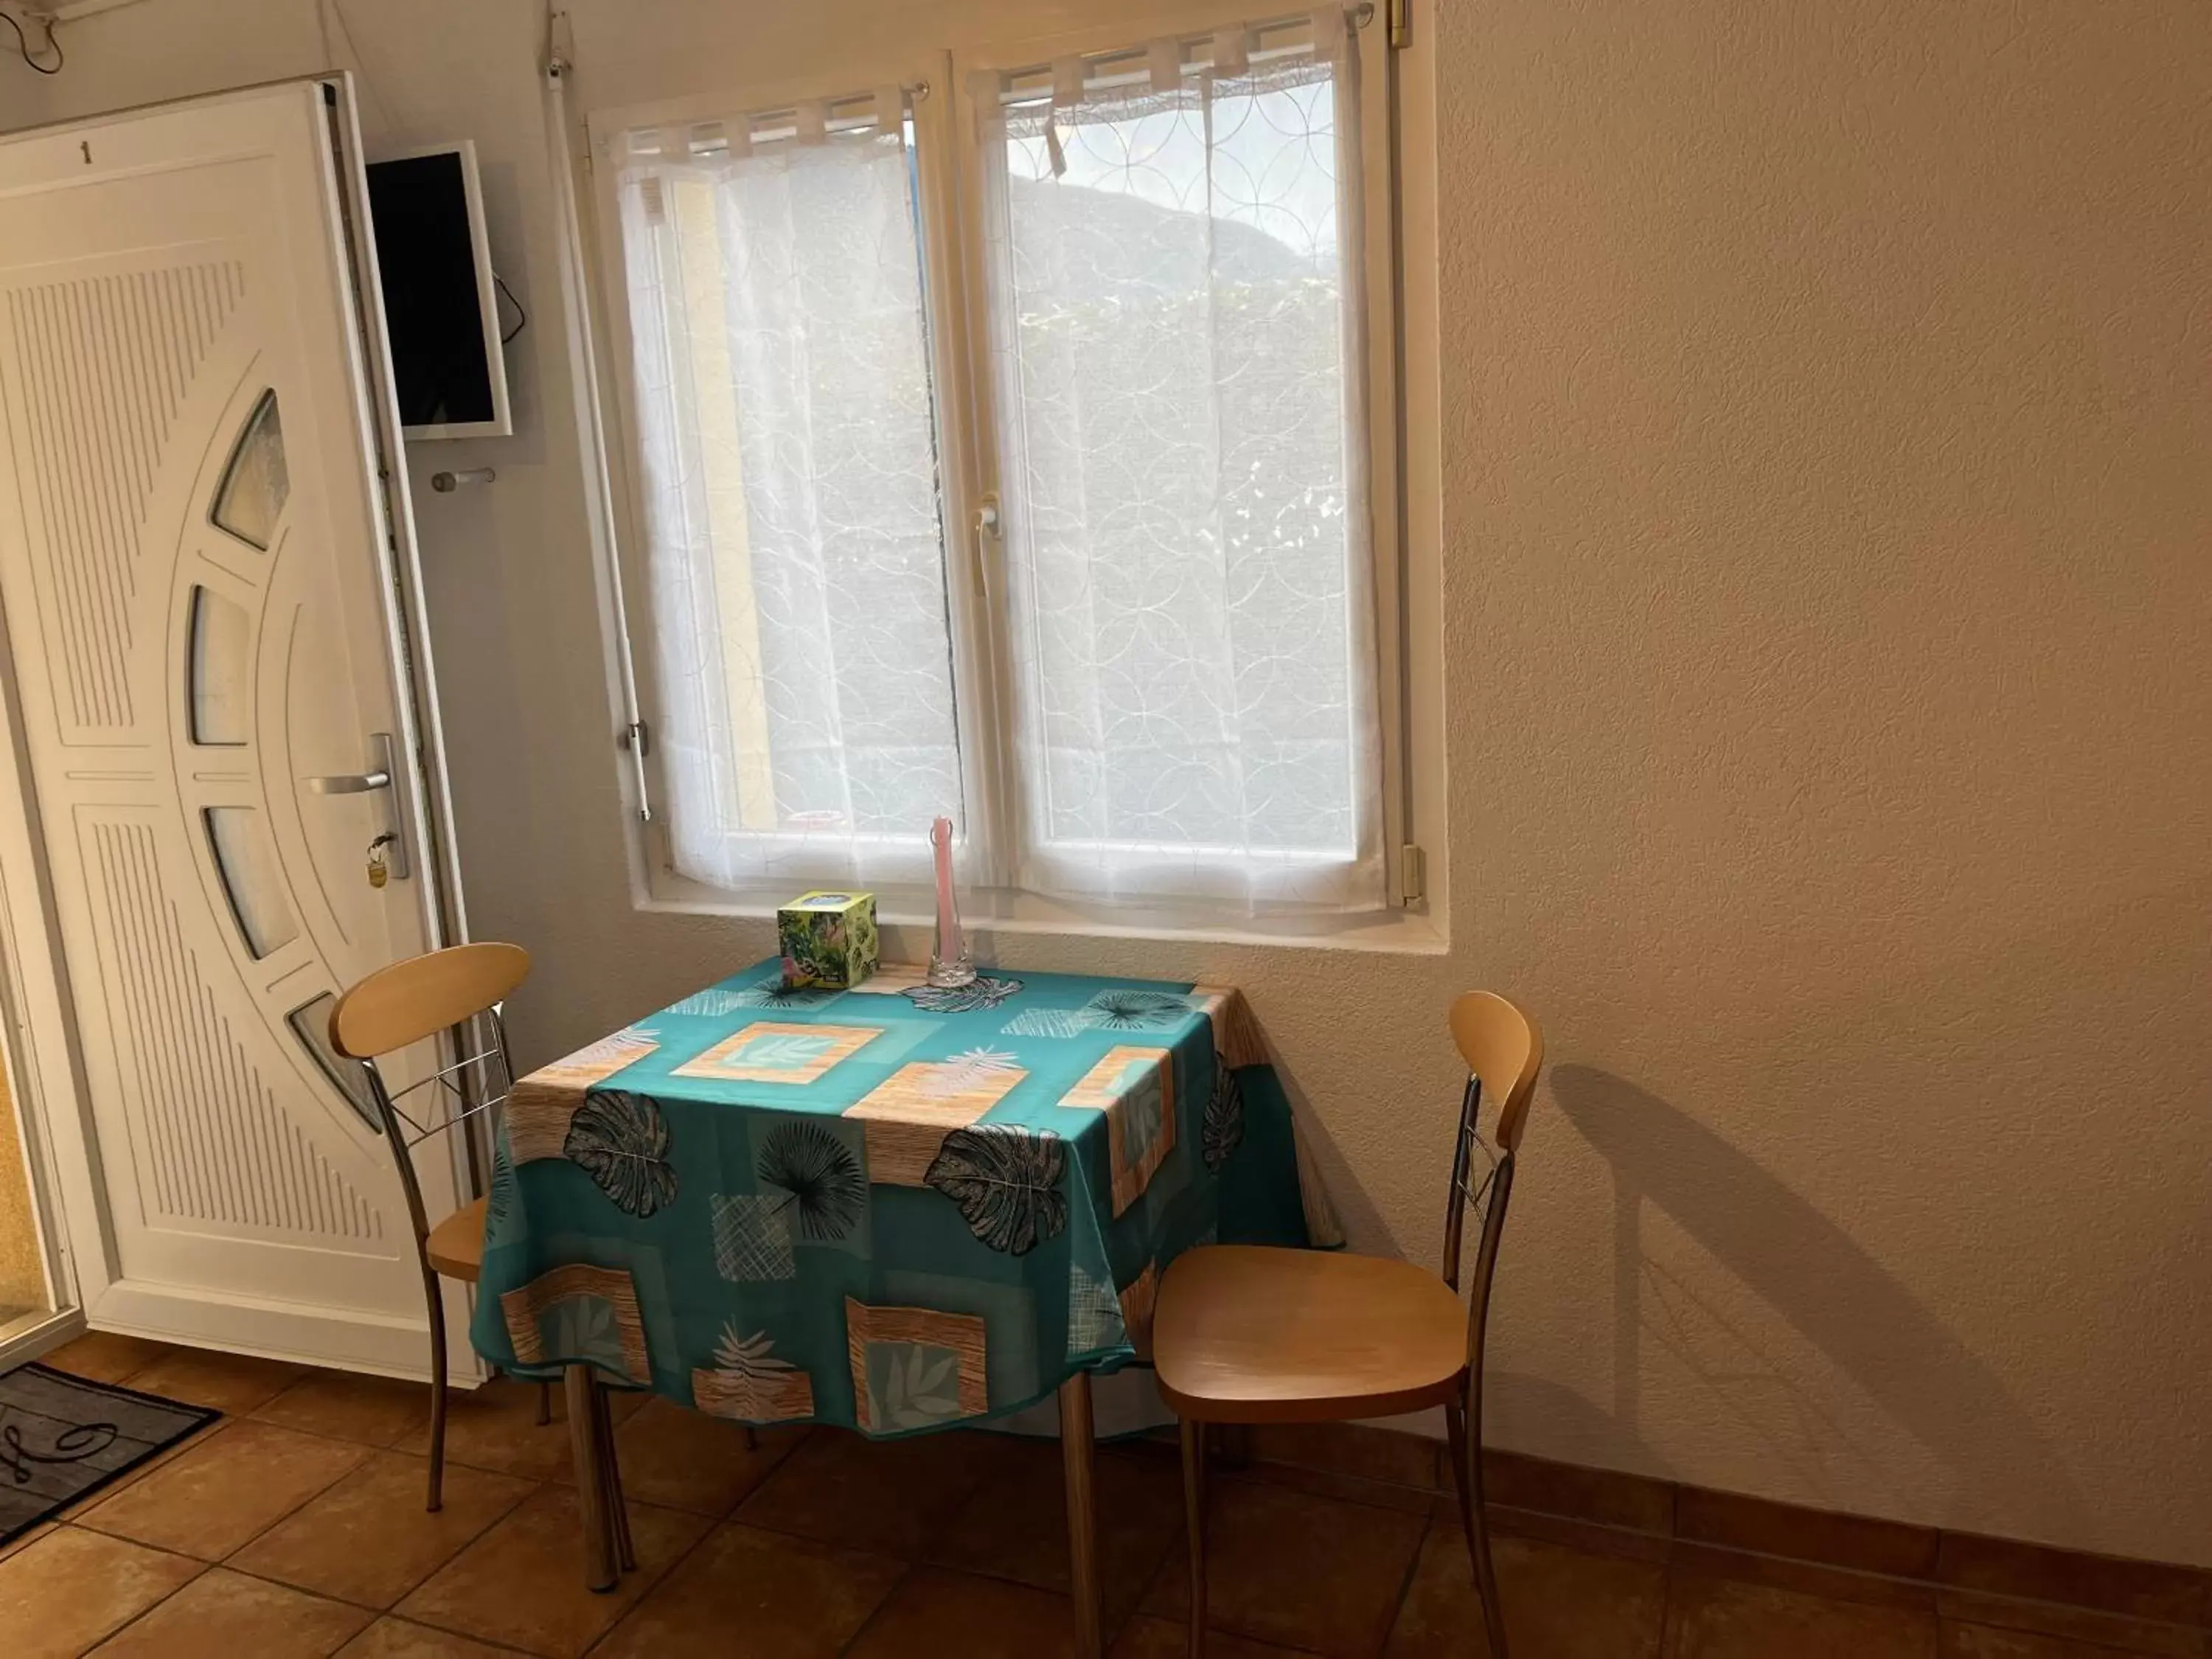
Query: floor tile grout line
x,y
1666,1612
531,1490
1405,1583
1241,1478
648,1581
1144,1590
875,1612
402,1619
205,1568
320,1491
728,1517
224,1559
1936,1588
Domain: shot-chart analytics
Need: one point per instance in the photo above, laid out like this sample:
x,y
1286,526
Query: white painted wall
x,y
1826,481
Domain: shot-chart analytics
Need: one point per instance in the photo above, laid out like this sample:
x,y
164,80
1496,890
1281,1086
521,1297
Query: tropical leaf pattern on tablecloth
x,y
916,1385
621,1140
499,1195
617,1049
1094,1314
752,1239
749,1382
1142,1105
1059,1024
1007,1182
823,1183
978,1069
747,1356
586,1329
982,992
1223,1127
784,1053
770,993
1131,1008
713,1003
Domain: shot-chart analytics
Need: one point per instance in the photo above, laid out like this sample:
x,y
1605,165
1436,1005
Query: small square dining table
x,y
897,1208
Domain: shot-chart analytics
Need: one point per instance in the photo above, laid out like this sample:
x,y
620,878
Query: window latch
x,y
990,526
638,736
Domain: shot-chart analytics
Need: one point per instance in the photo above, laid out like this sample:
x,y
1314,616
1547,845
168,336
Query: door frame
x,y
32,1333
42,1037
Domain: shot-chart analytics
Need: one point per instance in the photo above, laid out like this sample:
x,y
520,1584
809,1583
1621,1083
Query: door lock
x,y
380,776
379,870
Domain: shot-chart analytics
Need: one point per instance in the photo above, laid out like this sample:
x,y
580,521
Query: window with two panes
x,y
1024,481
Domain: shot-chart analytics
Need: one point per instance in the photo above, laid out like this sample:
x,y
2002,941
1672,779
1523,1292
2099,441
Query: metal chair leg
x,y
753,1438
430,1292
1464,1418
544,1404
1456,1429
1193,1520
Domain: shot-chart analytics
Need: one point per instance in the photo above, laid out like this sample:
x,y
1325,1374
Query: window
x,y
1001,452
786,434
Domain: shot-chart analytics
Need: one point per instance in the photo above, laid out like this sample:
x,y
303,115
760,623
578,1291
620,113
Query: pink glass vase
x,y
949,963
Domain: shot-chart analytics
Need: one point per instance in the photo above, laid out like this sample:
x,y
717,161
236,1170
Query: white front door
x,y
199,587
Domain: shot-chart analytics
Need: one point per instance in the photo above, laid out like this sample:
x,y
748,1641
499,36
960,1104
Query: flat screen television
x,y
440,307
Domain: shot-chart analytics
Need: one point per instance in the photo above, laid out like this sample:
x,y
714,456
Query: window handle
x,y
989,528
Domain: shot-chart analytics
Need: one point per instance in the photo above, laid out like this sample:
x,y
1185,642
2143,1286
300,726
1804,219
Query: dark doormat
x,y
62,1437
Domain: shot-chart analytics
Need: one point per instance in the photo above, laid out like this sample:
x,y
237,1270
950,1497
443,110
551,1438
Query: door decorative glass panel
x,y
220,670
246,858
310,1024
255,483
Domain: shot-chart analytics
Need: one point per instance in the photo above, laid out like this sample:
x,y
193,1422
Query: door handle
x,y
383,774
351,783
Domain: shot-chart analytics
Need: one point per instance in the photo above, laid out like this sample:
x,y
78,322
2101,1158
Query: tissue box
x,y
829,940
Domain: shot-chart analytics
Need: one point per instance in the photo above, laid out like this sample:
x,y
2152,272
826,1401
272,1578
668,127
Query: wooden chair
x,y
1250,1335
460,989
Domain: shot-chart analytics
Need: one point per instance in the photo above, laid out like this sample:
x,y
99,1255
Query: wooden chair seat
x,y
1247,1334
455,1247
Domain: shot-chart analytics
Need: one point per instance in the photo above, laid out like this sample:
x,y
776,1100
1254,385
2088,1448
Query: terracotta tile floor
x,y
294,1529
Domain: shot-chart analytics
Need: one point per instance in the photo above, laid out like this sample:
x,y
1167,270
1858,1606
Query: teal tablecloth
x,y
893,1208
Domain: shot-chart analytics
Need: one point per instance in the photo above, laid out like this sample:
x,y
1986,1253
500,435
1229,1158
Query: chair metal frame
x,y
403,1148
453,995
1492,1035
1464,1417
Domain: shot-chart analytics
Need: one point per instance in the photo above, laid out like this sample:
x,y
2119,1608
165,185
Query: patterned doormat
x,y
62,1437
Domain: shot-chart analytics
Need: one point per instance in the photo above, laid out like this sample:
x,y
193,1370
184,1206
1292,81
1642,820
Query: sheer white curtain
x,y
1176,305
781,396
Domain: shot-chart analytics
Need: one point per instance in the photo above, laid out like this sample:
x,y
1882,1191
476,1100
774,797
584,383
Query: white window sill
x,y
907,916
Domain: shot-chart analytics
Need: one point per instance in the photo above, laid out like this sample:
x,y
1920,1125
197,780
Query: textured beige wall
x,y
1828,456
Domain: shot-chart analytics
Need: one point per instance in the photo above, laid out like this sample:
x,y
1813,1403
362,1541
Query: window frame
x,y
605,128
949,165
1378,253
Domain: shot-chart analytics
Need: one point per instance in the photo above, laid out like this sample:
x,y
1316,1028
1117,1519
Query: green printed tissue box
x,y
829,940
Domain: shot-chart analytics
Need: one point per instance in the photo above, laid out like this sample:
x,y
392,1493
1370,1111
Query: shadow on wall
x,y
1584,1433
1810,1272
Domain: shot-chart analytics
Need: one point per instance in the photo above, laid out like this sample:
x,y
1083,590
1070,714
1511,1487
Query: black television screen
x,y
439,312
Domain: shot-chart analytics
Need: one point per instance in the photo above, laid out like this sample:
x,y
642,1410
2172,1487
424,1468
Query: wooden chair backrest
x,y
411,999
1504,1048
